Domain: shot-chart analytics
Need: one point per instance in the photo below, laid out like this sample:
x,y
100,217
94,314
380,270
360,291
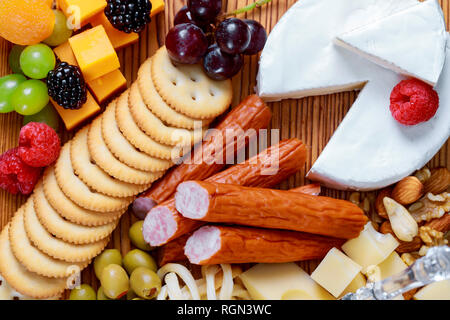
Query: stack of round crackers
x,y
78,203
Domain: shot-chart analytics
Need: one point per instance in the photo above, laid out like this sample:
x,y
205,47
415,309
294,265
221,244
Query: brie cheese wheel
x,y
300,58
370,149
410,42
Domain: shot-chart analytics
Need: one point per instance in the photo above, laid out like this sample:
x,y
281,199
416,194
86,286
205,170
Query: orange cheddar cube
x,y
157,7
94,53
64,53
108,85
118,38
73,118
80,11
102,88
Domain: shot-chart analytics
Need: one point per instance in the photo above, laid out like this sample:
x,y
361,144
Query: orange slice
x,y
26,22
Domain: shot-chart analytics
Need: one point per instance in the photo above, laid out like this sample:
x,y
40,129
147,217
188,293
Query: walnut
x,y
430,207
432,237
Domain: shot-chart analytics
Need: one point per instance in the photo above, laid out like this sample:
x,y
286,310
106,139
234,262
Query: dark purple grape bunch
x,y
198,35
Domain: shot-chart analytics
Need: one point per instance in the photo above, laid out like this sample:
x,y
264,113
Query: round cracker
x,y
79,192
104,158
149,123
20,279
32,258
123,149
55,247
187,89
158,106
93,175
69,209
63,229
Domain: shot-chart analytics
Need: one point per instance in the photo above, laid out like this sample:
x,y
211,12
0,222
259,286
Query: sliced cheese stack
x,y
370,149
77,204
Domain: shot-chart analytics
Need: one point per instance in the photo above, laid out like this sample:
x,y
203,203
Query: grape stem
x,y
247,8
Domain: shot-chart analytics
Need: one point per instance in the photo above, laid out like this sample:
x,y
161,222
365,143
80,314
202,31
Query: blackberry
x,y
129,15
66,86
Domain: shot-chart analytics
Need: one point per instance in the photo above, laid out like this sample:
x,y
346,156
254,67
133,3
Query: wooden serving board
x,y
313,119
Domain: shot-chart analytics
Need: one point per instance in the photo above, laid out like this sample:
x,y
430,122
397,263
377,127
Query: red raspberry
x,y
39,144
15,175
413,101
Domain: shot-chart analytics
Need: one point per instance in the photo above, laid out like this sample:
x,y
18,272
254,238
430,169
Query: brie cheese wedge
x,y
300,58
410,42
370,149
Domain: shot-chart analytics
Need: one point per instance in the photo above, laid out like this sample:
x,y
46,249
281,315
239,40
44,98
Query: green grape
x,y
14,58
48,115
37,60
60,31
30,97
8,85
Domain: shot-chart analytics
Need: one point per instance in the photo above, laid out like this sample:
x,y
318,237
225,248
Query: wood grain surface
x,y
313,119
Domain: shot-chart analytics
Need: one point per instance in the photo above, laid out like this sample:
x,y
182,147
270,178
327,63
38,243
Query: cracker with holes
x,y
158,106
104,158
69,209
54,247
22,280
123,149
150,124
93,175
32,258
187,89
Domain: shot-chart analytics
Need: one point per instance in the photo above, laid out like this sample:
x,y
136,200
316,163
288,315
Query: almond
x,y
404,246
408,190
441,224
379,206
438,182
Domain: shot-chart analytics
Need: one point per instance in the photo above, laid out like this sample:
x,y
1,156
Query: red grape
x,y
257,39
183,16
219,65
233,36
205,11
186,43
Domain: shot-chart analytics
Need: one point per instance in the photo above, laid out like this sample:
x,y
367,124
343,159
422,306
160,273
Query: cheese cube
x,y
81,10
106,86
64,53
94,53
434,291
391,266
103,87
157,7
335,272
73,118
118,38
282,281
358,282
370,247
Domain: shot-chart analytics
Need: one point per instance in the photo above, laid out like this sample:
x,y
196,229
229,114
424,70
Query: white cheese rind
x,y
300,58
370,149
410,42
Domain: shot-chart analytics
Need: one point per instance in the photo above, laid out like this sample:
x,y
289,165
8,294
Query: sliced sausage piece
x,y
223,244
269,208
164,223
244,122
173,251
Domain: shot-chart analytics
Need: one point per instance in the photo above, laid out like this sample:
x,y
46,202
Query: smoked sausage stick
x,y
173,251
213,244
269,208
246,119
163,223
